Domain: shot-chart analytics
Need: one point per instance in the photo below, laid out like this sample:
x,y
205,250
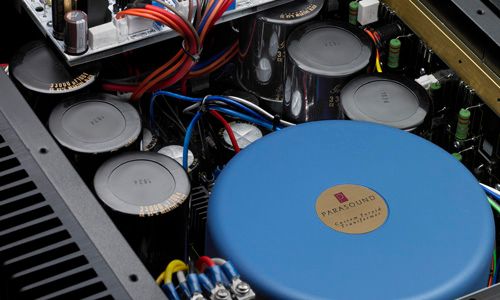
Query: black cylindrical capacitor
x,y
76,32
145,194
386,99
321,58
59,9
93,128
262,49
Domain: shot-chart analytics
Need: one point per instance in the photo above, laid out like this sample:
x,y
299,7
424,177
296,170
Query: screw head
x,y
222,294
242,288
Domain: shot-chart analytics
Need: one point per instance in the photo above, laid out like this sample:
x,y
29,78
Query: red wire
x,y
118,88
203,262
228,129
173,21
184,87
490,280
180,23
169,19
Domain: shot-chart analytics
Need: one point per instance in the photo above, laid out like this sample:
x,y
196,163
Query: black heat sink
x,y
56,242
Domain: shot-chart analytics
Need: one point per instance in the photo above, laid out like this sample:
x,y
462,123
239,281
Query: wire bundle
x,y
179,66
232,106
214,63
213,274
376,40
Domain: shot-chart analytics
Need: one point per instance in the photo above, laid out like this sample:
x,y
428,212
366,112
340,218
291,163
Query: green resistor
x,y
435,86
463,124
353,12
458,156
434,90
394,51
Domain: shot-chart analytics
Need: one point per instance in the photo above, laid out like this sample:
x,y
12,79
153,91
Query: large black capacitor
x,y
321,58
262,48
93,128
145,194
45,79
385,99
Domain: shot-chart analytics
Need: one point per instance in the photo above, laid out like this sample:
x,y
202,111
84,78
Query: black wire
x,y
176,115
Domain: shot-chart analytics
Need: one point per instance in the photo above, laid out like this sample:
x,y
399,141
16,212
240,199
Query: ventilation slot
x,y
5,151
39,257
53,270
32,244
106,298
86,291
58,283
22,216
17,190
13,177
28,229
22,203
8,164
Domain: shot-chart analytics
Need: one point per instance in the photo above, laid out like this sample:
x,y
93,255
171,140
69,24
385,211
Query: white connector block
x,y
138,24
102,36
368,11
426,80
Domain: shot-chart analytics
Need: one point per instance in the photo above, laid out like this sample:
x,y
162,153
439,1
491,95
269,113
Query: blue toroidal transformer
x,y
351,210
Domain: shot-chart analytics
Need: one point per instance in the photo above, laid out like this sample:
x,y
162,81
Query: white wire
x,y
489,188
259,109
244,102
181,277
218,261
191,107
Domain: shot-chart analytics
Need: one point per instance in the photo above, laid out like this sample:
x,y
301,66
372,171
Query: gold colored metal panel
x,y
450,49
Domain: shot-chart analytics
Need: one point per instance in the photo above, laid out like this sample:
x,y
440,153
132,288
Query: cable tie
x,y
202,104
195,57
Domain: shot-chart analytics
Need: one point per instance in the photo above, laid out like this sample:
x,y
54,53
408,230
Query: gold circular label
x,y
351,208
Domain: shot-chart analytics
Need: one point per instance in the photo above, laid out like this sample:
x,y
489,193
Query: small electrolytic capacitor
x,y
76,32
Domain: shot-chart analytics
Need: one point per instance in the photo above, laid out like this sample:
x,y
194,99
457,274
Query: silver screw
x,y
222,294
243,288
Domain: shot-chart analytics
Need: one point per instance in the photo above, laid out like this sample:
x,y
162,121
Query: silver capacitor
x,y
321,58
262,49
76,32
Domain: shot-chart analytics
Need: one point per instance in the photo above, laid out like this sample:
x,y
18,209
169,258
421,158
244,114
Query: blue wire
x,y
203,64
239,105
187,138
244,117
210,98
177,96
492,194
169,289
185,289
152,110
205,282
207,15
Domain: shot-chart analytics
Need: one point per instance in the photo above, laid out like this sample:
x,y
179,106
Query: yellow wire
x,y
377,63
173,265
177,269
160,278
